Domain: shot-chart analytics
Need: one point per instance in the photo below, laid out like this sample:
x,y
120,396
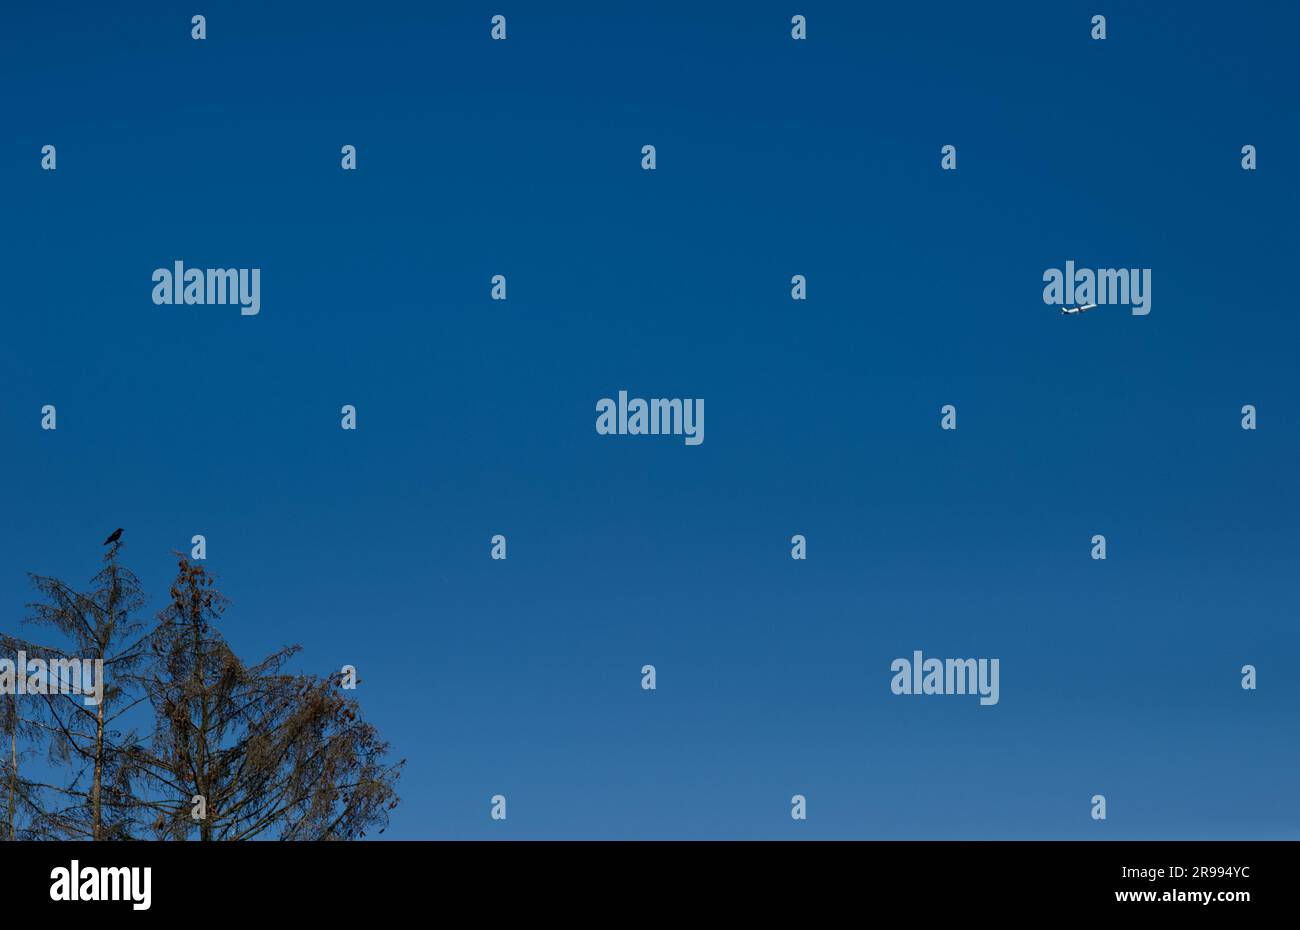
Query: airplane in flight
x,y
1070,311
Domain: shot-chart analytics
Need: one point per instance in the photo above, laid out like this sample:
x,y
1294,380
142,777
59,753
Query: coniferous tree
x,y
236,751
255,750
83,739
17,733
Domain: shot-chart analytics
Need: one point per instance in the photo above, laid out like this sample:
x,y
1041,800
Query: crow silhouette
x,y
117,534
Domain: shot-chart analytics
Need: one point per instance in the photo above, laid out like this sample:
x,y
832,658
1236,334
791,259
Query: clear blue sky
x,y
477,417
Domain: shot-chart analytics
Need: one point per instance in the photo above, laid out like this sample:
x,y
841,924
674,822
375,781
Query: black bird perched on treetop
x,y
117,534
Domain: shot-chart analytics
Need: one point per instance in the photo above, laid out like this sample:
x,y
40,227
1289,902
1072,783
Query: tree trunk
x,y
13,775
96,801
95,806
205,825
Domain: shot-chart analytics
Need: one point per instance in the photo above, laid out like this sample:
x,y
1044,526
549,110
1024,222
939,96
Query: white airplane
x,y
1070,311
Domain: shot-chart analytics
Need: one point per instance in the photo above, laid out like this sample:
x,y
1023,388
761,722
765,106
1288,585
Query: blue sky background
x,y
822,418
